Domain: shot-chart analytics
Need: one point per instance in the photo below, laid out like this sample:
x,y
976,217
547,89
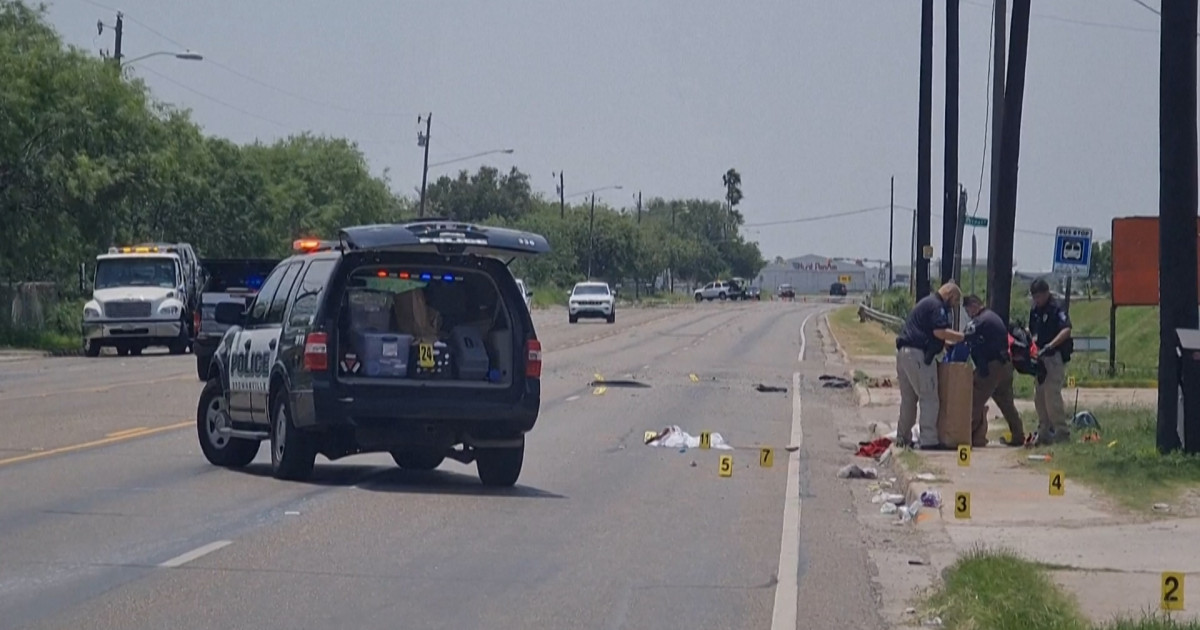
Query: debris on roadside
x,y
888,497
931,499
835,382
927,476
769,388
853,471
675,437
888,508
1162,507
875,448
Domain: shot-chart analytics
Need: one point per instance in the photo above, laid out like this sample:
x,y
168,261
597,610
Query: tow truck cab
x,y
142,296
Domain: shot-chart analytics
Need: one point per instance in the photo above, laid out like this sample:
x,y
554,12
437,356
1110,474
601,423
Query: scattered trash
x,y
1162,507
907,514
836,382
1085,420
619,383
674,437
936,622
1039,458
885,458
893,498
769,388
1112,444
291,513
852,471
693,463
910,611
917,563
874,448
888,508
931,499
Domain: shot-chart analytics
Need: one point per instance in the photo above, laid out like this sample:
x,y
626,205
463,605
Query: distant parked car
x,y
786,292
752,293
837,288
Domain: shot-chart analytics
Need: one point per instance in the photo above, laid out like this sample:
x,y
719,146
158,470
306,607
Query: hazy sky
x,y
814,102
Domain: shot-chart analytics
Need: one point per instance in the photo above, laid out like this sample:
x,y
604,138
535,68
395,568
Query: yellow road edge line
x,y
125,432
85,445
99,388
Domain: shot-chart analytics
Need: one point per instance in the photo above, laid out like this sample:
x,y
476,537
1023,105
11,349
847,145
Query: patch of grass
x,y
39,340
861,338
997,590
1131,470
1137,344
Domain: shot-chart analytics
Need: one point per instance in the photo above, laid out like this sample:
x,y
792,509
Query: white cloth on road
x,y
675,437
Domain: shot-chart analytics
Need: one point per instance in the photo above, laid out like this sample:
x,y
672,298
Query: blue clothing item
x,y
988,339
929,314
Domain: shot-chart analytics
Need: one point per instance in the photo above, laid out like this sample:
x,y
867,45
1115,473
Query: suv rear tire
x,y
227,452
417,460
499,467
292,452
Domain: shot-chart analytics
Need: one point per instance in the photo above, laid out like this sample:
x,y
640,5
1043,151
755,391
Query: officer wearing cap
x,y
988,339
926,332
1050,328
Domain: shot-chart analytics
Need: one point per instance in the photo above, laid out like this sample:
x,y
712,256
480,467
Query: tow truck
x,y
142,295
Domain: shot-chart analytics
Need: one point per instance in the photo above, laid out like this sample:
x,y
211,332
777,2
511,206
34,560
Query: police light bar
x,y
141,249
312,245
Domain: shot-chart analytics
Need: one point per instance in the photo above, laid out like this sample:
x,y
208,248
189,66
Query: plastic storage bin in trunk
x,y
383,354
471,357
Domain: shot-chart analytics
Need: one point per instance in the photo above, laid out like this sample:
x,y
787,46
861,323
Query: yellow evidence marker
x,y
726,466
962,505
599,390
964,454
650,435
1058,483
705,440
694,378
425,355
766,457
1070,382
1172,591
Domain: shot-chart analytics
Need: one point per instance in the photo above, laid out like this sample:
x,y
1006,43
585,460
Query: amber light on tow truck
x,y
533,359
316,352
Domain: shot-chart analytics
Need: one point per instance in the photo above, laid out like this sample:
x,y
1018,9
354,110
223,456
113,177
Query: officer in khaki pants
x,y
988,339
1050,328
925,334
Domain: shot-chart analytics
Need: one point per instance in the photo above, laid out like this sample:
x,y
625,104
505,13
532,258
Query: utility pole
x,y
637,280
912,258
120,32
562,200
423,141
891,232
999,28
961,216
671,267
950,183
1177,222
924,149
591,237
1001,232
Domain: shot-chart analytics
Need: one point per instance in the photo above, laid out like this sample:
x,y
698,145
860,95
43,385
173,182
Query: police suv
x,y
411,339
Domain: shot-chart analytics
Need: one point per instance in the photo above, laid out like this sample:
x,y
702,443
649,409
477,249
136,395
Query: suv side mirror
x,y
230,313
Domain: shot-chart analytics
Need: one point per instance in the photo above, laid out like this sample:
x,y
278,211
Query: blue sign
x,y
1073,251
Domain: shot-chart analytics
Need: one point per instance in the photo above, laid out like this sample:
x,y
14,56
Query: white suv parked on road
x,y
592,300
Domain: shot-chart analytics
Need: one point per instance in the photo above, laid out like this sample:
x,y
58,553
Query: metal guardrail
x,y
891,321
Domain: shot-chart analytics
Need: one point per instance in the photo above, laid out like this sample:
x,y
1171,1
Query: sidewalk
x,y
1110,559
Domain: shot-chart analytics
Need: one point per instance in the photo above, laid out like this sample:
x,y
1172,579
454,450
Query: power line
x,y
835,215
1056,18
1148,7
987,116
214,99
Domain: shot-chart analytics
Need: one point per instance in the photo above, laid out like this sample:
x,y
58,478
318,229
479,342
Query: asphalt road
x,y
111,518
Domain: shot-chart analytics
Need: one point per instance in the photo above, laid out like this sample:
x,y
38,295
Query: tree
x,y
1102,269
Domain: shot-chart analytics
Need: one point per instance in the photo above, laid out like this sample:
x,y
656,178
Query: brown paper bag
x,y
955,389
414,317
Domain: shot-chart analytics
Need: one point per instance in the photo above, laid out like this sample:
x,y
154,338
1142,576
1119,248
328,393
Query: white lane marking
x,y
787,585
803,339
570,398
195,554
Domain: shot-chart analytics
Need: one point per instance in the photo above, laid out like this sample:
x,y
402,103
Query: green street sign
x,y
976,222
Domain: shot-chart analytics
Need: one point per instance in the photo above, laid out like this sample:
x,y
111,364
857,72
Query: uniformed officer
x,y
926,332
988,339
1050,328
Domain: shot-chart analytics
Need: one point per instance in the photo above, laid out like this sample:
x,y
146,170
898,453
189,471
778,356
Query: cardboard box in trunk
x,y
955,389
414,317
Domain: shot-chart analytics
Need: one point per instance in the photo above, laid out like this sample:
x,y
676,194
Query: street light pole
x,y
562,200
423,141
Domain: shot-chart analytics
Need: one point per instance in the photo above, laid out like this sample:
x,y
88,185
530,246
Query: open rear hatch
x,y
426,325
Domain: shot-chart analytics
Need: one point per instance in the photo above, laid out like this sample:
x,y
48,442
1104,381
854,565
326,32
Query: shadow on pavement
x,y
393,479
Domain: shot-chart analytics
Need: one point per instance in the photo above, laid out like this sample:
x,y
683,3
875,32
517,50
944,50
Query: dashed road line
x,y
195,554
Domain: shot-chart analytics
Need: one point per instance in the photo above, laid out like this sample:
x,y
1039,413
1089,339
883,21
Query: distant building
x,y
813,275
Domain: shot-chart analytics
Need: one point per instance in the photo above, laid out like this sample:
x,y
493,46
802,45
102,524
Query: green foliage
x,y
88,159
1102,267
